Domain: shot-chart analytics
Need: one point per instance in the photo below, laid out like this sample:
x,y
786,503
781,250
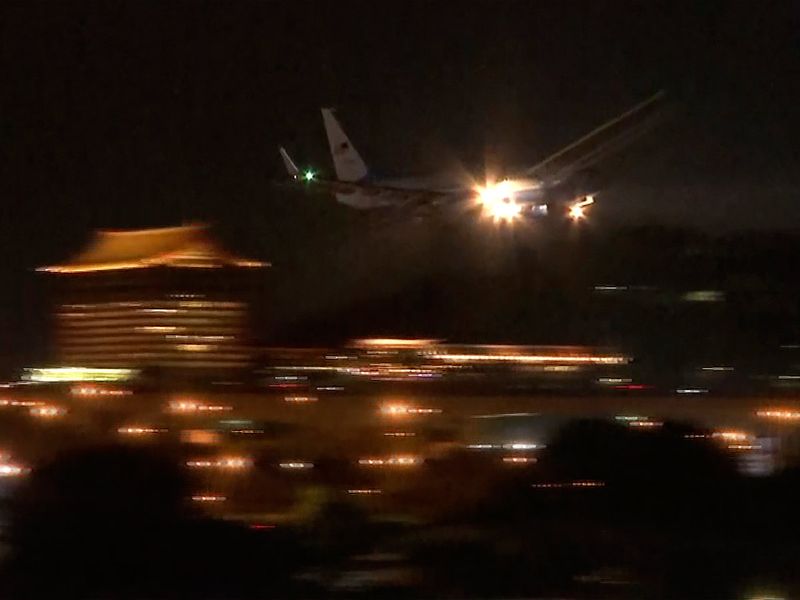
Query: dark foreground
x,y
605,510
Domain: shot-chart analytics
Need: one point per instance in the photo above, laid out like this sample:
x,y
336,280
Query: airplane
x,y
563,183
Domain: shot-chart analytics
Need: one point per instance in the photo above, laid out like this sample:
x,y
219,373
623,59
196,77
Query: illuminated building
x,y
168,298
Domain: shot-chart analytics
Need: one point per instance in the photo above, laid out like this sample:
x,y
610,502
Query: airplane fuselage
x,y
530,194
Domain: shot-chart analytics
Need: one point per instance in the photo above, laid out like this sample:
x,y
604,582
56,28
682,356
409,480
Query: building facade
x,y
167,298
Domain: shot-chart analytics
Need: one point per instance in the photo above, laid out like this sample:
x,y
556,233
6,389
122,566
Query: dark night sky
x,y
133,114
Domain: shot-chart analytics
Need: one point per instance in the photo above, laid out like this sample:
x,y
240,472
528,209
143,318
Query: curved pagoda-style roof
x,y
189,246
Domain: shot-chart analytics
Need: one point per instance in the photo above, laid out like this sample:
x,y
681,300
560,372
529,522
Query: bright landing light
x,y
576,211
498,201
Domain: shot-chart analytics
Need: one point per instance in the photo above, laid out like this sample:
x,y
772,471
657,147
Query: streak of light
x,y
12,470
48,412
779,414
296,465
231,463
208,498
137,431
570,484
300,399
403,460
191,406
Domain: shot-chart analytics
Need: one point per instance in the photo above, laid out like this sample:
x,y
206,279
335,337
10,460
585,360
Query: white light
x,y
231,462
296,465
520,446
134,430
498,201
47,412
577,212
11,470
391,461
208,498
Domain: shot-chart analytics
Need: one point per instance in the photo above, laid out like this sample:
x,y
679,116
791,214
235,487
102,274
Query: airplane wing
x,y
609,137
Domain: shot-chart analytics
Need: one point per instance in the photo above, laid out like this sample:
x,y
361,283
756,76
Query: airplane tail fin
x,y
291,168
346,160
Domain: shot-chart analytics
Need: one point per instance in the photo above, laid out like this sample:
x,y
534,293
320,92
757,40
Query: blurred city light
x,y
209,498
76,374
200,436
47,411
570,484
11,469
779,414
232,463
519,459
296,464
391,461
94,391
139,431
400,410
192,406
300,399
